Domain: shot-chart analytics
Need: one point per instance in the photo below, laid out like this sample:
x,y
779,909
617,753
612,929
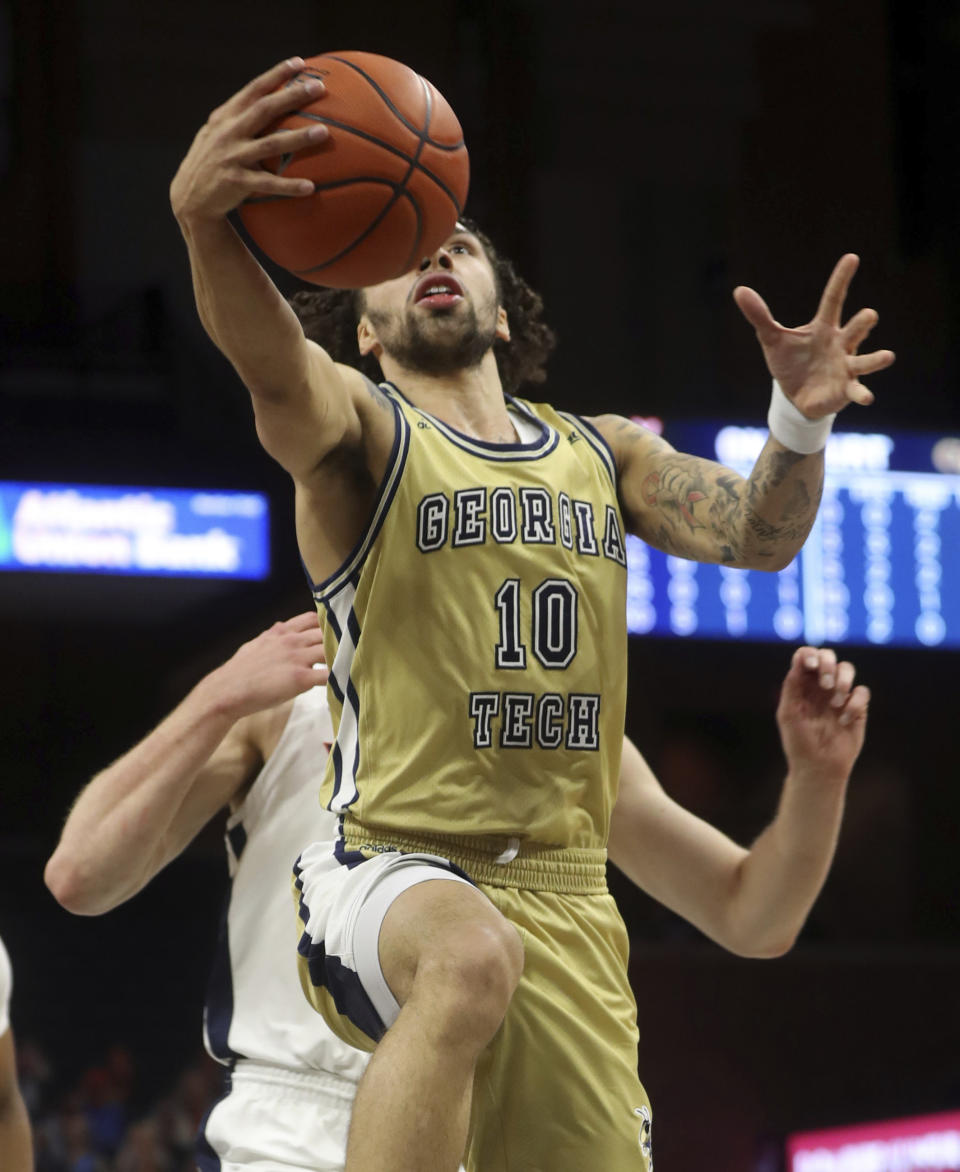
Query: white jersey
x,y
6,988
255,1007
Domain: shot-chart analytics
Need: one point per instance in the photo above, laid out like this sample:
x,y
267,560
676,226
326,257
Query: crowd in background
x,y
96,1123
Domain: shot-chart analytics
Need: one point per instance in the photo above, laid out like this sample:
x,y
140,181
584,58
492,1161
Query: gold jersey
x,y
477,637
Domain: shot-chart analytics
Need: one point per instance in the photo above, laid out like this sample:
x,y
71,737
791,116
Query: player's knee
x,y
472,983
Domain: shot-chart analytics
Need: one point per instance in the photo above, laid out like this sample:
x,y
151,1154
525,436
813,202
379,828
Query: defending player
x,y
475,543
292,1082
252,735
16,1140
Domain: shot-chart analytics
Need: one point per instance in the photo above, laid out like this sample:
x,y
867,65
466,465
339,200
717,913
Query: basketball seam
x,y
386,146
384,211
394,109
370,227
414,162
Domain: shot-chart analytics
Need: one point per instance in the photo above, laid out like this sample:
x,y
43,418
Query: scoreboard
x,y
881,565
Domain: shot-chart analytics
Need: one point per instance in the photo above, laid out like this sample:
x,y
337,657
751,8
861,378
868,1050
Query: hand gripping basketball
x,y
223,166
387,183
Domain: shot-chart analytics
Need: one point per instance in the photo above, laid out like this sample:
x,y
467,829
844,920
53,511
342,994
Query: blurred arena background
x,y
638,161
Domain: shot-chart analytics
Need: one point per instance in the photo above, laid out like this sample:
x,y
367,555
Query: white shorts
x,y
275,1120
342,900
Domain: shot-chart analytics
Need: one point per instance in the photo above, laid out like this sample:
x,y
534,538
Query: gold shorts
x,y
557,1089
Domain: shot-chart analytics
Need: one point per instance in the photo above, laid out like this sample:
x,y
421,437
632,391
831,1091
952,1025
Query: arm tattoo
x,y
699,509
662,492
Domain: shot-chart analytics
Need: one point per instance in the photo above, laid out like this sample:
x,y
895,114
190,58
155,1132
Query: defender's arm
x,y
139,813
753,902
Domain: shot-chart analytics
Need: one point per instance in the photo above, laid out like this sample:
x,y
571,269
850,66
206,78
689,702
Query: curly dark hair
x,y
329,317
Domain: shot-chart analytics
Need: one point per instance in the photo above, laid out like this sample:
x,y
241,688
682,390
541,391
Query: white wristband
x,y
793,429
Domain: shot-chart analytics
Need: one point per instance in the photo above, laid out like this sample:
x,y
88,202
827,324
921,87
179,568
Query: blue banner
x,y
168,532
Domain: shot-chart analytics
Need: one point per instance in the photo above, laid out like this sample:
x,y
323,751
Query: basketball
x,y
391,179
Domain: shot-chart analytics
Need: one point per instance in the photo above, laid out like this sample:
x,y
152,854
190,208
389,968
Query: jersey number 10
x,y
553,625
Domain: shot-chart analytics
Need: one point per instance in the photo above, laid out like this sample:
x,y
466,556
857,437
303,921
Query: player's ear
x,y
503,326
367,339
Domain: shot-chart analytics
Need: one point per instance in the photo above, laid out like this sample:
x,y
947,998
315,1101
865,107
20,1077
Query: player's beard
x,y
439,345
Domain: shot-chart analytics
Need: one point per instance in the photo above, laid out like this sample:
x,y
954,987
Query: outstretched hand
x,y
821,715
277,665
817,365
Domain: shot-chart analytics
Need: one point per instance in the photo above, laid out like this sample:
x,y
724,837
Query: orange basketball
x,y
391,179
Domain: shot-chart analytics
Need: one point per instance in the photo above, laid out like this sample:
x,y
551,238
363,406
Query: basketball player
x,y
292,1082
16,1140
252,735
467,555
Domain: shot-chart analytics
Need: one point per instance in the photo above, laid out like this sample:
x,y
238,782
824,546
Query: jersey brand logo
x,y
574,436
646,1134
423,425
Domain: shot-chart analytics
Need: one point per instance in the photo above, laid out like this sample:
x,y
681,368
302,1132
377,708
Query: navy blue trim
x,y
329,972
337,756
338,632
345,987
336,752
218,1006
302,910
345,858
238,839
535,450
333,621
351,693
353,627
298,884
335,688
381,507
347,697
353,699
354,702
596,441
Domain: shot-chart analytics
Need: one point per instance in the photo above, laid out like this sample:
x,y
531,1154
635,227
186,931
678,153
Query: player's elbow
x,y
771,561
71,888
62,882
780,561
763,946
757,940
771,949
